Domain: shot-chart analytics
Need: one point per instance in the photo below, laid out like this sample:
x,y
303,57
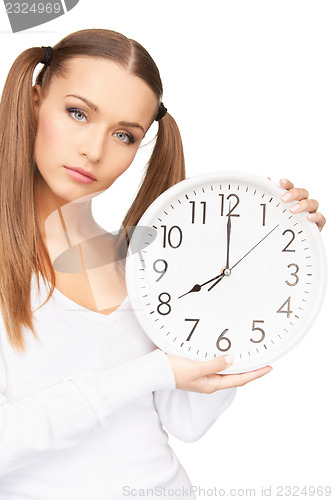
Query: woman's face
x,y
94,118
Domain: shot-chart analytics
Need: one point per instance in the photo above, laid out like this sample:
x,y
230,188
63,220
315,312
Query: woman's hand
x,y
304,205
203,376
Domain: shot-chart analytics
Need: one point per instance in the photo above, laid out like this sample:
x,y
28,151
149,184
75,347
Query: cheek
x,y
48,140
121,159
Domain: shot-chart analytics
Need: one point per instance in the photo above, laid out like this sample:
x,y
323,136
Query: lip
x,y
83,172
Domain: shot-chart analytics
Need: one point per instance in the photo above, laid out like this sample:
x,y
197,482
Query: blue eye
x,y
124,137
77,114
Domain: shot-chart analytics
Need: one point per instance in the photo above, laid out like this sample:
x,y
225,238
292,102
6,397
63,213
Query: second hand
x,y
244,256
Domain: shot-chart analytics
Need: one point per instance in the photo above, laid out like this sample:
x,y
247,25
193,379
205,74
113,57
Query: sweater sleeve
x,y
188,415
62,415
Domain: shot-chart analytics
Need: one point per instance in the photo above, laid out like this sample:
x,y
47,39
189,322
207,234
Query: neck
x,y
63,224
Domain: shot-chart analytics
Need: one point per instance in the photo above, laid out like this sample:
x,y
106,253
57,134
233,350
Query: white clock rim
x,y
223,176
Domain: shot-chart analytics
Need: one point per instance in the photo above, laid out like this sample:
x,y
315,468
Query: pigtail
x,y
165,168
20,240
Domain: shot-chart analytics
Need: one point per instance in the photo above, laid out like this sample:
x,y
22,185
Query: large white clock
x,y
219,265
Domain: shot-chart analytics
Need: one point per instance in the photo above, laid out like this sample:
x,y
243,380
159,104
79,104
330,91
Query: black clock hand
x,y
198,287
228,237
255,246
220,276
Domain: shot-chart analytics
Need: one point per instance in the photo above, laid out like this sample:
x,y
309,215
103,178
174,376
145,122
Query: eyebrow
x,y
88,103
130,124
95,108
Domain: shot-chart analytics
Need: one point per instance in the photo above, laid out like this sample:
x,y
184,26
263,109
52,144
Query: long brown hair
x,y
22,249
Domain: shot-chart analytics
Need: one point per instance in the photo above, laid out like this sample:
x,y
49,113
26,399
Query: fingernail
x,y
296,208
284,181
229,359
287,197
312,216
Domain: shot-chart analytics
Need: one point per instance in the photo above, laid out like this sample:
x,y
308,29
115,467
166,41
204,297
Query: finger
x,y
305,206
295,194
218,382
241,379
318,218
213,366
285,183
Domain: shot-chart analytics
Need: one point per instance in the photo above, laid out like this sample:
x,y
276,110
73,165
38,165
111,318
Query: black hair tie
x,y
48,51
161,112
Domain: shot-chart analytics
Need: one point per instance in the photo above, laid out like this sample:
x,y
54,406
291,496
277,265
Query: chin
x,y
78,193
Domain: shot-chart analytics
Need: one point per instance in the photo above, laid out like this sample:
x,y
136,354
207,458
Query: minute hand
x,y
228,238
210,288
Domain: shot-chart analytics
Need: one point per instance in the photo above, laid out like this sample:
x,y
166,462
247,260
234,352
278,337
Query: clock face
x,y
219,265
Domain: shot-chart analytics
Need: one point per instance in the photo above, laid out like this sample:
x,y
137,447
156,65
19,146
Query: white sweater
x,y
82,409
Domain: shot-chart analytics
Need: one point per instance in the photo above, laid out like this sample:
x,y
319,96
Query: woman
x,y
84,398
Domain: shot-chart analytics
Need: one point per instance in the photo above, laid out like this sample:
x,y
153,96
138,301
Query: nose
x,y
92,145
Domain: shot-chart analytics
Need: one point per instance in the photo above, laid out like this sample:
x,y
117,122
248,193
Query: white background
x,y
250,86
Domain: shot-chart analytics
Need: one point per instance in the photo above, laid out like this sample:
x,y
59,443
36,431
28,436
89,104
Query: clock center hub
x,y
225,271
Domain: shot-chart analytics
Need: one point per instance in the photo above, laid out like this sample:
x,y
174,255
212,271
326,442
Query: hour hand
x,y
197,287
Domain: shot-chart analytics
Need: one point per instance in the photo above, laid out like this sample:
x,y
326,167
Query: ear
x,y
37,97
